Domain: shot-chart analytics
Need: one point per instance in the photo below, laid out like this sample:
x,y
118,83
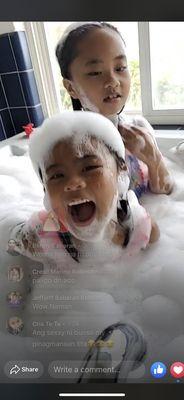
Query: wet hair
x,y
124,214
66,50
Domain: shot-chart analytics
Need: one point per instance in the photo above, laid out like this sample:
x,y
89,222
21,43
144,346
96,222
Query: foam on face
x,y
68,124
90,145
86,145
97,229
89,106
86,103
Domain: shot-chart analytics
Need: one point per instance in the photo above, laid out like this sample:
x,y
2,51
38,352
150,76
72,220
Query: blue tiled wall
x,y
19,99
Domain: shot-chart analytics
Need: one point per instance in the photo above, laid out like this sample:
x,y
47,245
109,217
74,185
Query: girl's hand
x,y
141,143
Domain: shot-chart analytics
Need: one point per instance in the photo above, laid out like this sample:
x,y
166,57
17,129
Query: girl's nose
x,y
111,81
74,184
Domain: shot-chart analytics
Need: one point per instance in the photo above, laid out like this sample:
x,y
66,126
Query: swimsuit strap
x,y
65,237
125,220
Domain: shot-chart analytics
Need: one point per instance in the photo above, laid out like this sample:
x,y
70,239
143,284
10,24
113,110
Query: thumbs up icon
x,y
158,370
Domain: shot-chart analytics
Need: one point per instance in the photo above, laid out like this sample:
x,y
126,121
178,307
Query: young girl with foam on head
x,y
93,63
80,159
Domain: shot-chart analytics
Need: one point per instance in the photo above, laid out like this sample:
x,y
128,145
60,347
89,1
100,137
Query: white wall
x,y
6,27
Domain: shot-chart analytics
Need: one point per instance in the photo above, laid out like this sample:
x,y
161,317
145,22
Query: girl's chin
x,y
91,231
112,107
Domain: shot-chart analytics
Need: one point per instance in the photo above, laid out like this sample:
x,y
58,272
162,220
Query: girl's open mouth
x,y
82,212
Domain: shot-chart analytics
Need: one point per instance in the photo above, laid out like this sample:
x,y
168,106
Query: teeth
x,y
112,96
79,201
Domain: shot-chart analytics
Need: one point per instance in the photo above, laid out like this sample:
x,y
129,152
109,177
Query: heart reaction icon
x,y
177,370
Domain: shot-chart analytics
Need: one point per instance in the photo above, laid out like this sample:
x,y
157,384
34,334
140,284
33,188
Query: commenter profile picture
x,y
11,247
15,273
14,299
15,325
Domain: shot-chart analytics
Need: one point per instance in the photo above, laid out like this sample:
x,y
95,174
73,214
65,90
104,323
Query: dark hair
x,y
66,50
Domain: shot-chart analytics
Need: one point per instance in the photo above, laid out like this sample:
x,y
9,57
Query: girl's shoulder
x,y
44,221
37,234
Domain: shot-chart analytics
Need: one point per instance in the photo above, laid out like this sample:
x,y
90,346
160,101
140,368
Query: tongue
x,y
83,212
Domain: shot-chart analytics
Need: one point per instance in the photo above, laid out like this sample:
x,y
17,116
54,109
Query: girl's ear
x,y
70,89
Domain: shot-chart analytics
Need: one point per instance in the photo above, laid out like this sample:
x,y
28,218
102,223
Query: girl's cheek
x,y
53,192
85,101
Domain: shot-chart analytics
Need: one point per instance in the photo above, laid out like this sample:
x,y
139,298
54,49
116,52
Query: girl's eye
x,y
92,167
56,176
121,68
94,73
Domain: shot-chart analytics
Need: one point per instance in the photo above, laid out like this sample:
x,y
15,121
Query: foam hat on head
x,y
72,123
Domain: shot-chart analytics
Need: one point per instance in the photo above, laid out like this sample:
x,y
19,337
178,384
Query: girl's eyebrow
x,y
120,57
94,61
52,166
98,61
59,165
89,156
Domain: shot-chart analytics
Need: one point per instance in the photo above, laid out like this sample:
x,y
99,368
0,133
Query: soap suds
x,y
146,289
